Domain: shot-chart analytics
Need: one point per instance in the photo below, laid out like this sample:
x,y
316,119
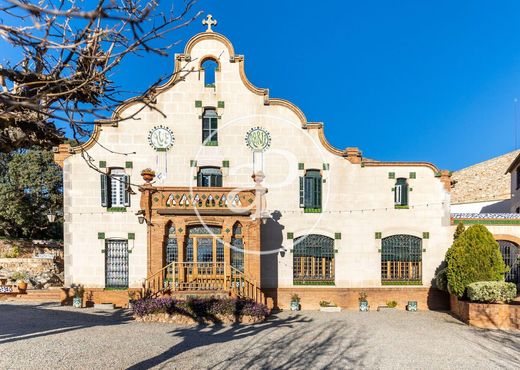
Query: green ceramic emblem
x,y
258,139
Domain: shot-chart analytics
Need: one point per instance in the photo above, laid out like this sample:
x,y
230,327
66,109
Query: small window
x,y
310,191
401,192
209,67
210,127
517,209
114,189
209,177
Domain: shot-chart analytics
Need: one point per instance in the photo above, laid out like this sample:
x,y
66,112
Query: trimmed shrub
x,y
474,256
458,231
491,291
441,279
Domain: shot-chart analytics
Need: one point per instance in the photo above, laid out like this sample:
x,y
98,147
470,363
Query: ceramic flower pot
x,y
77,302
363,306
295,306
22,286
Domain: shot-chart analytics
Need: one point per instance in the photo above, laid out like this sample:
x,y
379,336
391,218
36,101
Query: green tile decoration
x,y
301,166
391,175
337,236
413,175
426,235
290,235
198,103
129,165
193,163
326,166
131,236
220,104
378,235
101,235
102,164
225,164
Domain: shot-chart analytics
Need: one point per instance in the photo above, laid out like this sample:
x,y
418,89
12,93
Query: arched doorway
x,y
401,260
510,253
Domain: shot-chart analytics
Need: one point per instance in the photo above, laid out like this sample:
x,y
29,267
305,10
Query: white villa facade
x,y
324,223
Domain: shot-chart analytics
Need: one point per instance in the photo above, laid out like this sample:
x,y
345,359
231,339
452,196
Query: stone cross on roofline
x,y
209,21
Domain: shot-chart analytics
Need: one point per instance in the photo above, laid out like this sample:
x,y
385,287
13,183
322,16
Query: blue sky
x,y
408,80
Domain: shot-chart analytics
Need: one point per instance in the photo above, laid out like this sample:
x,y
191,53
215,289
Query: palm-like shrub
x,y
474,256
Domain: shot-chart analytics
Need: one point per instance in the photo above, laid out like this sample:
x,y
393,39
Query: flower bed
x,y
199,310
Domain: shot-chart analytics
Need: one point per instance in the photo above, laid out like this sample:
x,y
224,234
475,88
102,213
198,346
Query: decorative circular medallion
x,y
161,138
258,139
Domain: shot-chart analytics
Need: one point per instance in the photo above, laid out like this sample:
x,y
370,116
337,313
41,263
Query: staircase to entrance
x,y
185,279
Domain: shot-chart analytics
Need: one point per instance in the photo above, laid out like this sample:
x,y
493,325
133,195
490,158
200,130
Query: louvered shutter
x,y
302,192
126,190
104,190
317,201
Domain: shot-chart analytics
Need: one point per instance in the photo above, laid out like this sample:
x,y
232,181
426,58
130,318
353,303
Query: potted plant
x,y
295,302
21,281
77,301
363,302
148,174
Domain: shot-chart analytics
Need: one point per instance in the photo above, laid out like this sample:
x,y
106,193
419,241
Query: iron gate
x,y
116,263
510,254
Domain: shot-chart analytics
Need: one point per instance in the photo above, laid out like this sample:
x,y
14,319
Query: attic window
x,y
209,66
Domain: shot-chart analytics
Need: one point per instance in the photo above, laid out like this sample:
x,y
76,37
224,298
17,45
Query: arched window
x,y
310,191
313,260
401,192
237,248
209,66
209,177
401,260
210,127
510,253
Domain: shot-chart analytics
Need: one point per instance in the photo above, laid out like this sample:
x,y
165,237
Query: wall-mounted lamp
x,y
140,217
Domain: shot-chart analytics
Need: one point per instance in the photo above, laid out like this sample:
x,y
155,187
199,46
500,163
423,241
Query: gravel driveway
x,y
46,336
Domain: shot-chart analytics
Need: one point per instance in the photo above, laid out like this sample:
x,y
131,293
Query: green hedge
x,y
441,280
474,256
491,291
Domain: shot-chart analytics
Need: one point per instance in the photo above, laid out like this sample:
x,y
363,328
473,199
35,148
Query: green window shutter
x,y
104,190
218,180
302,192
317,200
127,188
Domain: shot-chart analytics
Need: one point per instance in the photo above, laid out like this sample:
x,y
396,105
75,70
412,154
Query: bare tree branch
x,y
67,55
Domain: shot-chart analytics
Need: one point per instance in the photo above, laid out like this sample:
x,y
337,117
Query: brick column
x,y
252,249
157,232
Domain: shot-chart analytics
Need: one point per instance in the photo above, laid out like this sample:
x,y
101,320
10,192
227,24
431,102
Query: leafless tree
x,y
67,55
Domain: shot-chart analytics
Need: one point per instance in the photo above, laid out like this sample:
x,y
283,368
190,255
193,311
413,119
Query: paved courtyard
x,y
46,336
